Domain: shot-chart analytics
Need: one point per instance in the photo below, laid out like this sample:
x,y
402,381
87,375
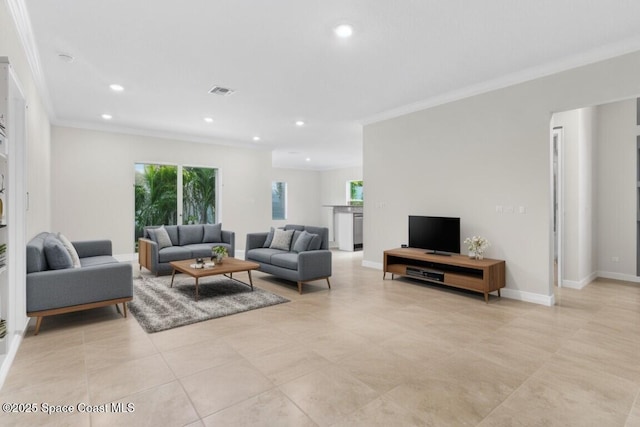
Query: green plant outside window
x,y
356,193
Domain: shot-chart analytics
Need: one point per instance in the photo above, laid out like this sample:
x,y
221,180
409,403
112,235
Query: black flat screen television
x,y
435,233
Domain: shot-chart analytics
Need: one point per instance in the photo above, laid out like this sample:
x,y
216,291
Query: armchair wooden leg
x,y
38,323
300,288
328,283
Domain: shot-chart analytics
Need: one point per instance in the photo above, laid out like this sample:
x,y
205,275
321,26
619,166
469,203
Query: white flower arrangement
x,y
477,244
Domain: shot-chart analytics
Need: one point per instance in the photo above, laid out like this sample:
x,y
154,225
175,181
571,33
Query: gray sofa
x,y
185,242
96,278
305,258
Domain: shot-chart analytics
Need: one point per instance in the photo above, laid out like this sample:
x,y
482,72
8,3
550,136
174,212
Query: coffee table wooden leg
x,y
250,281
172,277
196,289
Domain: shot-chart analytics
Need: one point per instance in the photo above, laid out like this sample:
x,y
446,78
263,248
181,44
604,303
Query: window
x,y
156,189
278,200
354,193
198,195
158,201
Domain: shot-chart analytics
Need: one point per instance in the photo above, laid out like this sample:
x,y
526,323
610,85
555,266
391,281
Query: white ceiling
x,y
285,64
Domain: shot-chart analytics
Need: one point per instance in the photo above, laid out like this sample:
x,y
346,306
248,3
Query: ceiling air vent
x,y
223,91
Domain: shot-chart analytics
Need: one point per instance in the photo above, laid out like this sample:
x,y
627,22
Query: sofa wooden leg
x,y
300,288
124,309
328,283
38,323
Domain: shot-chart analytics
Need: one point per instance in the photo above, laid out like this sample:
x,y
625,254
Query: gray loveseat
x,y
155,251
94,279
306,258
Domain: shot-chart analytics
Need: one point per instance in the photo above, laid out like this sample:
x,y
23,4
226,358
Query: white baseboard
x,y
547,300
618,276
572,284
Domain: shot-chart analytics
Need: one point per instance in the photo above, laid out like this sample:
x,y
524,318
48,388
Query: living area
x,y
368,347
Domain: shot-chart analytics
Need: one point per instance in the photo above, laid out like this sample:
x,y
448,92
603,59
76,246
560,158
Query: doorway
x,y
557,203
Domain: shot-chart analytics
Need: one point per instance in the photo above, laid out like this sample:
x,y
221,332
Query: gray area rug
x,y
157,307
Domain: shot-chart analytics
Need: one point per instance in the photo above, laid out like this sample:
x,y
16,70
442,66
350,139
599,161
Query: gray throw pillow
x,y
57,255
281,239
190,234
212,233
75,259
316,242
267,243
296,234
302,244
162,238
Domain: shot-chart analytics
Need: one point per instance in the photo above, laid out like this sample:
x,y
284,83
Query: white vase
x,y
472,254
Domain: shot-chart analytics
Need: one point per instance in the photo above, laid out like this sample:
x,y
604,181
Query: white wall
x,y
333,186
303,196
466,157
615,164
93,176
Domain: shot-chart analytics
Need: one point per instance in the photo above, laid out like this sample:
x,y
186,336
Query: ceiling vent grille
x,y
222,91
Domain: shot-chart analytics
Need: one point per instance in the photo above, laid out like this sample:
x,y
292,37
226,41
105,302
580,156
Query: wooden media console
x,y
459,271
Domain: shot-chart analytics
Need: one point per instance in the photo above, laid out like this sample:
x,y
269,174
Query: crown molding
x,y
565,64
159,133
20,16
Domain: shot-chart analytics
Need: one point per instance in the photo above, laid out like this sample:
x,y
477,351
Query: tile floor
x,y
368,352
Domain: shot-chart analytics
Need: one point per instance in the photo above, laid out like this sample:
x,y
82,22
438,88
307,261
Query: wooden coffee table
x,y
227,267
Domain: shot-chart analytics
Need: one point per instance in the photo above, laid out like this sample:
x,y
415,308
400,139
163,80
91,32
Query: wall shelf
x,y
12,187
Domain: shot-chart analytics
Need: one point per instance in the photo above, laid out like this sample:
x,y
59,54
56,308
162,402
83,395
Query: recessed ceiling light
x,y
308,159
116,87
343,31
208,119
256,138
299,123
107,116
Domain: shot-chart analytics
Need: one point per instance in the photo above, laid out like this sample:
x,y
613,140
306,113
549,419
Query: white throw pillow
x,y
281,239
75,259
162,238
